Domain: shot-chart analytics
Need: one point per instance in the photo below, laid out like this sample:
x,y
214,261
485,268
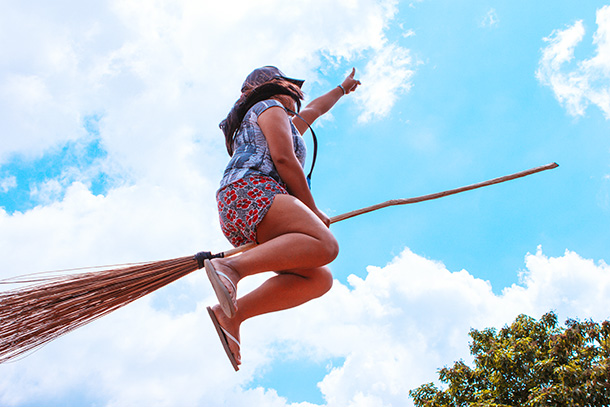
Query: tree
x,y
530,363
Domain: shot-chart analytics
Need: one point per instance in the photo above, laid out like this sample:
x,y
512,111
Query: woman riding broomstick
x,y
264,203
264,197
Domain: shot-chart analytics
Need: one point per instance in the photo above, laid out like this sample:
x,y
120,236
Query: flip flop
x,y
226,301
224,339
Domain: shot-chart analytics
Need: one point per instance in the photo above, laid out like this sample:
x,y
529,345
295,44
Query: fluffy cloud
x,y
585,82
156,69
411,317
8,183
491,19
387,75
393,329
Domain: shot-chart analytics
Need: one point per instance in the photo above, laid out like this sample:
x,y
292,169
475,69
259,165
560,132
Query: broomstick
x,y
49,307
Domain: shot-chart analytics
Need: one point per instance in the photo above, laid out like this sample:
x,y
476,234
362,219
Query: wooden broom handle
x,y
437,195
422,198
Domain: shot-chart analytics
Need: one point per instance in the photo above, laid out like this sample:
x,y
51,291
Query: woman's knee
x,y
330,247
324,280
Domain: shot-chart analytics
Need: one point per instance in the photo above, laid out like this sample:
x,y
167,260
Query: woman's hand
x,y
324,103
350,84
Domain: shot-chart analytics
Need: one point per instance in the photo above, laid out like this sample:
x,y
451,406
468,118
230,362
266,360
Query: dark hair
x,y
267,90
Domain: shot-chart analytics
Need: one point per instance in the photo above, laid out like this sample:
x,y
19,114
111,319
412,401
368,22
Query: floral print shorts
x,y
243,204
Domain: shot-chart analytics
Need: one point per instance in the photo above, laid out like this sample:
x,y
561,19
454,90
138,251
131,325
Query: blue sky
x,y
477,111
111,153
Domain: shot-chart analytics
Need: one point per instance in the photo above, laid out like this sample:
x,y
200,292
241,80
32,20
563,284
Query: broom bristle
x,y
34,315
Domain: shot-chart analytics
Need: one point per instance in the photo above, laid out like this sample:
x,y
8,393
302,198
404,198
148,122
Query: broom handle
x,y
437,195
405,201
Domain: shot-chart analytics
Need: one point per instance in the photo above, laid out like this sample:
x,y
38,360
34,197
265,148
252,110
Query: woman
x,y
264,198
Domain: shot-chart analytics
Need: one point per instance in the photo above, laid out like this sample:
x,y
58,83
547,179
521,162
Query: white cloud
x,y
402,322
130,223
161,75
491,19
8,183
47,192
408,33
588,82
386,76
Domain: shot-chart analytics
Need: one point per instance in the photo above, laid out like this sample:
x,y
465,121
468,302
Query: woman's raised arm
x,y
324,103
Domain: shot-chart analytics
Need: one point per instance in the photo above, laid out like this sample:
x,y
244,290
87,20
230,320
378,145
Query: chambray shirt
x,y
250,149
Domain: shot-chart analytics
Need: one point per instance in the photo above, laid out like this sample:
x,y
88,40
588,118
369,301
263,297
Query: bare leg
x,y
283,291
293,241
291,237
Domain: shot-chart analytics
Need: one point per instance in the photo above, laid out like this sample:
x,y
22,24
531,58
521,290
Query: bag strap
x,y
315,146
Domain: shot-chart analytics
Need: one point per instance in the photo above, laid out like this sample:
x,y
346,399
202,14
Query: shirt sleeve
x,y
263,105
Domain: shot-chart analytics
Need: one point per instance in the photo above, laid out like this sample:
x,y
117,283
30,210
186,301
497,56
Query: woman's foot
x,y
228,332
221,277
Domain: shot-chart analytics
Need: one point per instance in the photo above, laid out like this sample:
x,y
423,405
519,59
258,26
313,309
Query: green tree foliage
x,y
529,363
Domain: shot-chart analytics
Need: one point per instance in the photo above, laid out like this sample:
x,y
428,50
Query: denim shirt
x,y
250,149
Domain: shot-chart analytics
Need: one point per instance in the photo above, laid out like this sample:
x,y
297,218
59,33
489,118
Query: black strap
x,y
202,256
315,146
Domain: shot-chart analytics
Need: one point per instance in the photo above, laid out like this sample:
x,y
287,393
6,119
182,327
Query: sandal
x,y
227,301
224,339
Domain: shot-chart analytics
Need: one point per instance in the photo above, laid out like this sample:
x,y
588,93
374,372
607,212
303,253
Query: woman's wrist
x,y
342,89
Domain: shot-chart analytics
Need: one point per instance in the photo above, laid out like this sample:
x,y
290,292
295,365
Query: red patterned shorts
x,y
243,204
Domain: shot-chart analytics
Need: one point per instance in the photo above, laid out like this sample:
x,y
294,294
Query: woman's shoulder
x,y
263,105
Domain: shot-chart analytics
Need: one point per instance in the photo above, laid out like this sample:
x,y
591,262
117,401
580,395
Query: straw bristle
x,y
34,315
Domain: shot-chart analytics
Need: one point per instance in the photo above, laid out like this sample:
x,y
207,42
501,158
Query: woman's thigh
x,y
286,215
